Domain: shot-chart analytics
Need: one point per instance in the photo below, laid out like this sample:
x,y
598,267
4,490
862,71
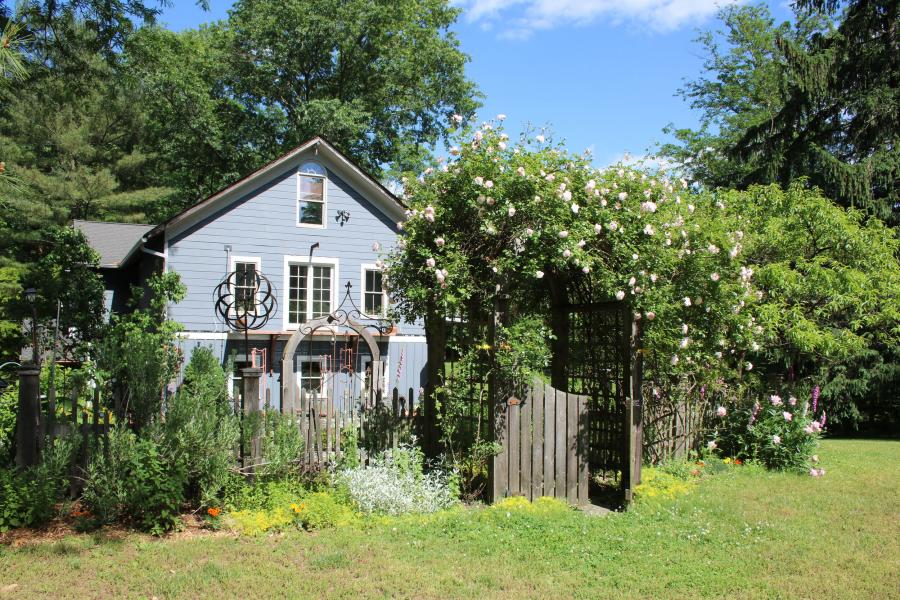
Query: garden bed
x,y
747,533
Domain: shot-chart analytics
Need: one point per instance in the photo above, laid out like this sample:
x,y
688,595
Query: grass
x,y
744,534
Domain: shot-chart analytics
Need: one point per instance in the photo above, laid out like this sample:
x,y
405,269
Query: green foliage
x,y
10,327
28,498
814,99
282,447
65,271
134,482
9,405
780,434
830,280
200,431
139,350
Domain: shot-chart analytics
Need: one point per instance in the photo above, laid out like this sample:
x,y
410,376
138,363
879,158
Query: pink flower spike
x,y
787,416
721,411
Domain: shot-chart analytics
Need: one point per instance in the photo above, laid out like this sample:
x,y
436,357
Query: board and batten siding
x,y
263,224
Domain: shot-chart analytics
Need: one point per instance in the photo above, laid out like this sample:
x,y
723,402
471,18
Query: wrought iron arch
x,y
345,315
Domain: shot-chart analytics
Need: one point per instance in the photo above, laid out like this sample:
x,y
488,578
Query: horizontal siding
x,y
262,224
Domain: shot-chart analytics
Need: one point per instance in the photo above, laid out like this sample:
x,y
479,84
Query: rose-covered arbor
x,y
525,260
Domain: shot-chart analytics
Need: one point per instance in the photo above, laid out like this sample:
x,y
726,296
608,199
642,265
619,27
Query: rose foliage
x,y
739,293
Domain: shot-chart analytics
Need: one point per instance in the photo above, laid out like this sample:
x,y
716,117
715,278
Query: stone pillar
x,y
28,417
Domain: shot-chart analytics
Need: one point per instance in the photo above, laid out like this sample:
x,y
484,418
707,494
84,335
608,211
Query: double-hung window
x,y
374,299
311,195
310,377
310,292
243,287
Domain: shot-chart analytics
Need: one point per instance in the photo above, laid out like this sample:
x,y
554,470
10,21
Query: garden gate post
x,y
436,335
251,376
28,422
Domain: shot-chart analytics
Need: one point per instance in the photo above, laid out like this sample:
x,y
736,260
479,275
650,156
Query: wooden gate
x,y
544,440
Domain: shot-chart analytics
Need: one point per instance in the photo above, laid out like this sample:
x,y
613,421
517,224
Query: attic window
x,y
311,195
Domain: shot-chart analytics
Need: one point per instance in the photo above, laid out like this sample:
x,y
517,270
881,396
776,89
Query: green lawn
x,y
744,534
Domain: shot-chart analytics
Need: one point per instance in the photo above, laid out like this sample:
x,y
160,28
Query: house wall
x,y
262,225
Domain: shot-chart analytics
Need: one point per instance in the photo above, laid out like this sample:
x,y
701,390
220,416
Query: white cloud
x,y
518,19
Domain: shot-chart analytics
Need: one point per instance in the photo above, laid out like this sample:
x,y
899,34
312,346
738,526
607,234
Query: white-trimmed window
x,y
311,178
374,299
310,377
244,289
310,290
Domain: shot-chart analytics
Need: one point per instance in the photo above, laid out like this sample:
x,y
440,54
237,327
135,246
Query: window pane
x,y
311,376
297,294
373,298
311,213
245,287
312,188
321,291
314,168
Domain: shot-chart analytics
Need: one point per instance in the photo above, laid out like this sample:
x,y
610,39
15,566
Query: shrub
x,y
397,483
200,430
779,434
282,446
264,495
28,498
276,508
255,522
134,482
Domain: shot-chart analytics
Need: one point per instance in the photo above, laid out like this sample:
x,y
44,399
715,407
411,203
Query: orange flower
x,y
695,472
213,512
738,461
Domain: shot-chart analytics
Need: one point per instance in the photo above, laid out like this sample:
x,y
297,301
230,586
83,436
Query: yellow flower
x,y
727,461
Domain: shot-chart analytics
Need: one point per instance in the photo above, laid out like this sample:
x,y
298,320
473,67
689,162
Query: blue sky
x,y
601,73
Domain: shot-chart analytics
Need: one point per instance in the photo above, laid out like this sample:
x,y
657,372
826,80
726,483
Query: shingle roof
x,y
113,241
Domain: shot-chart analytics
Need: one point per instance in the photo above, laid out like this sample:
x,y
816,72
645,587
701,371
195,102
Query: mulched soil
x,y
64,526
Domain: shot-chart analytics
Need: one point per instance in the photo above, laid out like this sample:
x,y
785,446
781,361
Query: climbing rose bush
x,y
780,432
514,217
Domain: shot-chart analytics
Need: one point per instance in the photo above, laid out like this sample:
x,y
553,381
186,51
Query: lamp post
x,y
30,296
28,421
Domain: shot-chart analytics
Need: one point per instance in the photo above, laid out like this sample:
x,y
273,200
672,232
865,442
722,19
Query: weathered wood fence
x,y
325,425
672,428
544,440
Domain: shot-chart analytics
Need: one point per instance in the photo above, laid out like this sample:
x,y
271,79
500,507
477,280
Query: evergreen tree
x,y
815,99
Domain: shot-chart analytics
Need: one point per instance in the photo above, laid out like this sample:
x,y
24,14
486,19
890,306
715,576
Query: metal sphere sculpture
x,y
245,300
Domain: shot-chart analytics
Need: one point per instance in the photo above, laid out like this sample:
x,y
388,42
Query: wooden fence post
x,y
28,422
250,378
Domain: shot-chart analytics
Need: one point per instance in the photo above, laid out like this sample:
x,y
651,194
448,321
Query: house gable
x,y
317,149
260,226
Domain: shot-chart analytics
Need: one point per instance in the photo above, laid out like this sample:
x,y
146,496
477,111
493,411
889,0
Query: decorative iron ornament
x,y
346,312
245,300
